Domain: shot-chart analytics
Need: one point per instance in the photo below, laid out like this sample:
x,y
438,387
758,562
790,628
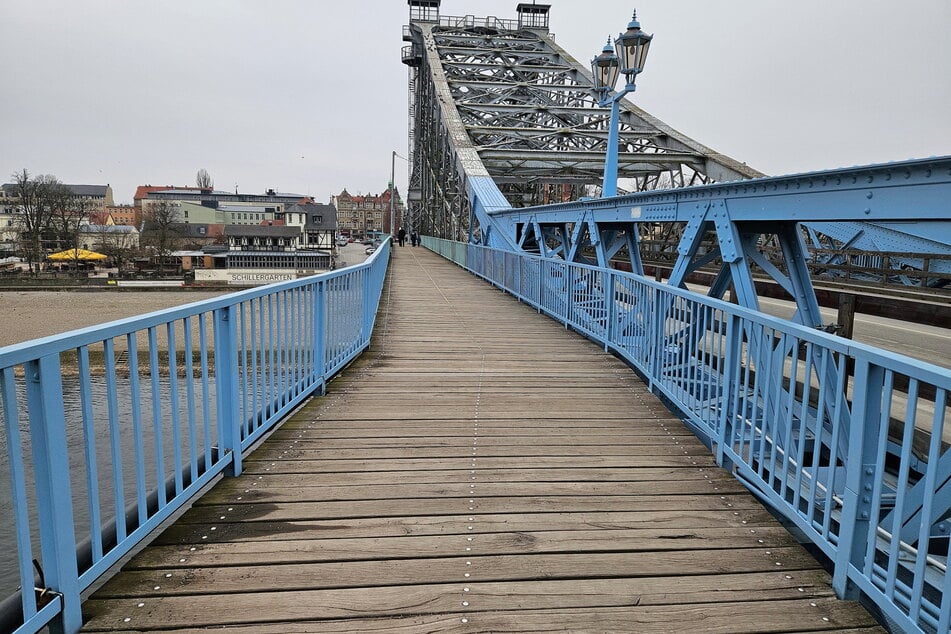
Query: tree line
x,y
50,217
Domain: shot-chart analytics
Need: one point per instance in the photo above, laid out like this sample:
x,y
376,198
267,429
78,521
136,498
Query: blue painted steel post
x,y
731,375
320,343
54,504
610,310
609,185
861,470
226,380
657,343
367,332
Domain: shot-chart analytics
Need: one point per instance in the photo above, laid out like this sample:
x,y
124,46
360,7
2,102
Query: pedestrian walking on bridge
x,y
402,236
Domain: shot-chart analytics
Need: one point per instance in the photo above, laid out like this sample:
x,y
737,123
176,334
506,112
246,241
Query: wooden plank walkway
x,y
479,469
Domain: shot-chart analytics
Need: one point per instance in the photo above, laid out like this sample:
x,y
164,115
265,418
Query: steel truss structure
x,y
502,117
728,223
492,98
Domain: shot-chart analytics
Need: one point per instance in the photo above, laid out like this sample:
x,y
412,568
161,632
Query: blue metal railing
x,y
847,441
109,430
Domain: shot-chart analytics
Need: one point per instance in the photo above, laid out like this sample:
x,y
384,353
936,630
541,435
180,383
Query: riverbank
x,y
31,314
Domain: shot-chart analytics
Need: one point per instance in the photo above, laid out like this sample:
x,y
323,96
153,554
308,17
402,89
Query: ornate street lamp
x,y
604,69
632,47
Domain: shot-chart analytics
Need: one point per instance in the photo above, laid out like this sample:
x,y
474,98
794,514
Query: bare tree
x,y
162,228
111,240
68,213
37,197
203,179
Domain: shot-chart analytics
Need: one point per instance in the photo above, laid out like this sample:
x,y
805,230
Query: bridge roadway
x,y
479,469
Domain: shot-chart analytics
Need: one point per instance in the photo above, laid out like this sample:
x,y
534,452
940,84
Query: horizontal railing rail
x,y
107,431
812,423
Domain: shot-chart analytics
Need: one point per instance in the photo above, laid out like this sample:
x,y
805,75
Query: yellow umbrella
x,y
76,254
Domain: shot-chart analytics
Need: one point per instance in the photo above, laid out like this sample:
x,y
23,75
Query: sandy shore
x,y
30,314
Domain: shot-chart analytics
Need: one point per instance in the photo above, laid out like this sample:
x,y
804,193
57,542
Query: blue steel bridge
x,y
517,435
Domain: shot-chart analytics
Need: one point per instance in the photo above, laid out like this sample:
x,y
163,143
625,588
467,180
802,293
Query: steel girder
x,y
730,223
512,106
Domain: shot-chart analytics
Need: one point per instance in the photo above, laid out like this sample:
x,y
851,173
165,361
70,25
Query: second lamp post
x,y
632,47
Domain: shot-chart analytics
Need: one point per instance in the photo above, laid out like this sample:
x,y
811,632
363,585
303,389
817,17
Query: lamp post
x,y
631,54
393,158
392,188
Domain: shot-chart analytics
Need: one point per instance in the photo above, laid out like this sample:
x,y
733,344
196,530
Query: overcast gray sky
x,y
309,96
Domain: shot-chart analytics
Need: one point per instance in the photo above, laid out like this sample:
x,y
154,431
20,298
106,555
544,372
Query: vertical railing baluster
x,y
860,468
320,339
229,429
656,326
269,355
788,414
818,435
840,406
256,382
205,388
174,407
610,312
89,447
248,425
928,503
115,439
135,394
21,513
903,477
54,501
190,397
730,370
158,435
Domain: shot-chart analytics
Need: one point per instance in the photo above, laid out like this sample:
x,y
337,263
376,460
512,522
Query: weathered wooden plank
x,y
439,428
246,509
352,549
522,424
436,609
193,527
459,569
273,491
315,441
695,450
463,462
294,468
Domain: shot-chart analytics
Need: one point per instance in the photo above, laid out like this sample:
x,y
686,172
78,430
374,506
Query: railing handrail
x,y
230,369
17,353
902,362
803,418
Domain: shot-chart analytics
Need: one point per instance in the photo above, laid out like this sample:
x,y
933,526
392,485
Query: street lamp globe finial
x,y
634,24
